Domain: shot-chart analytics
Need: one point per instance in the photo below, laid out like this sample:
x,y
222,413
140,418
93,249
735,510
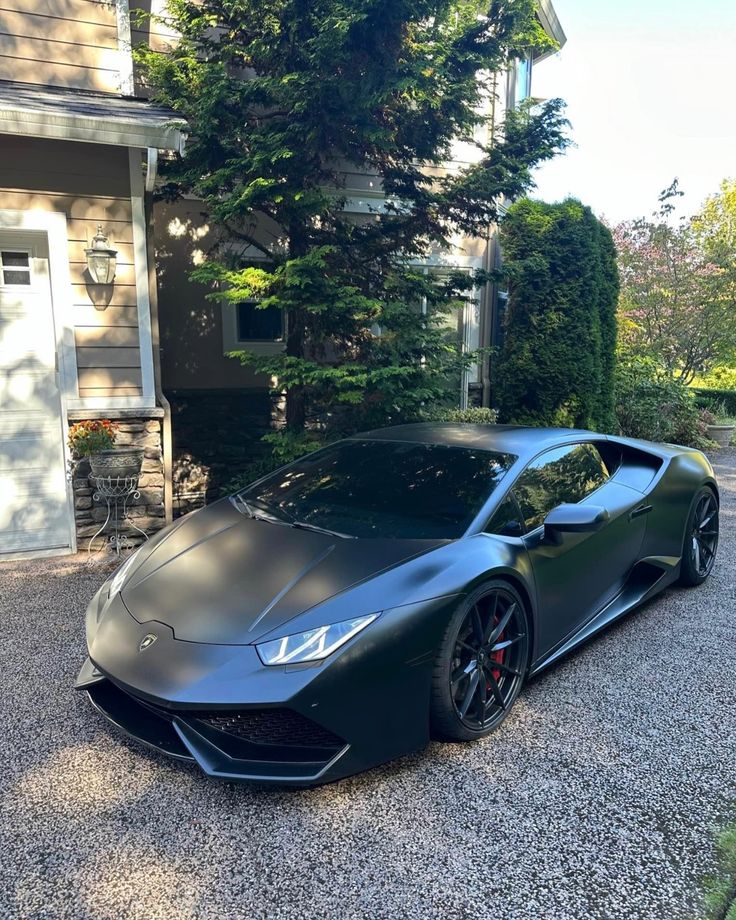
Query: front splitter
x,y
178,738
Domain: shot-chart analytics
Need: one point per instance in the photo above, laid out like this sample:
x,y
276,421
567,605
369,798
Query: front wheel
x,y
701,539
481,663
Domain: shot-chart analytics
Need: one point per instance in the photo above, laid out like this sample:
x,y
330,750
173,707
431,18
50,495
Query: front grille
x,y
270,726
278,727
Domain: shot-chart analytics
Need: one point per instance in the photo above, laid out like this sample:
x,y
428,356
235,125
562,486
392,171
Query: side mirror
x,y
574,519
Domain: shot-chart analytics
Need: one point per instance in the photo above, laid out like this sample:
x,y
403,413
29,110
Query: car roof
x,y
509,439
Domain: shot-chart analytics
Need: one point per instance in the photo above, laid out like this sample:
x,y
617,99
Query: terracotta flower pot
x,y
123,462
721,434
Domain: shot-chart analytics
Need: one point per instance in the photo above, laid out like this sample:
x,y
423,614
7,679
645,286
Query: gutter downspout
x,y
168,440
489,293
486,330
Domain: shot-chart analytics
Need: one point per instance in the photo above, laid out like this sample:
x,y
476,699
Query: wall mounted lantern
x,y
101,259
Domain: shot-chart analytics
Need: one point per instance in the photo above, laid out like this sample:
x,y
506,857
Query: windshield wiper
x,y
242,505
303,525
271,514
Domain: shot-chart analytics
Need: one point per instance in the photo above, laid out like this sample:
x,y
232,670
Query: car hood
x,y
221,577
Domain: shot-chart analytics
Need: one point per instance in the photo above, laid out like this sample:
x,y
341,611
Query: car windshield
x,y
364,488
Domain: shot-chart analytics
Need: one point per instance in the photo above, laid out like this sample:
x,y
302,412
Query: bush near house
x,y
721,377
557,362
651,404
475,415
720,400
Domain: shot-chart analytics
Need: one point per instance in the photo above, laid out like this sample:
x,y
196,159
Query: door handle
x,y
637,512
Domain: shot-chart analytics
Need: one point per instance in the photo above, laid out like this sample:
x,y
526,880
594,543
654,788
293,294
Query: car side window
x,y
506,520
564,474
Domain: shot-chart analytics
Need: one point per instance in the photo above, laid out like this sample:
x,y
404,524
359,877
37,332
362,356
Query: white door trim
x,y
53,225
145,337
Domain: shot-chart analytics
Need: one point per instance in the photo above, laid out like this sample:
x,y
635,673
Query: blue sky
x,y
651,93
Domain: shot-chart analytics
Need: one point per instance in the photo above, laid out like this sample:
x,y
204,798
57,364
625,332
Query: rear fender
x,y
671,498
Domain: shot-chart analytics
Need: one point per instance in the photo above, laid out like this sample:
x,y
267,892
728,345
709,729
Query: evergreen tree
x,y
557,360
284,100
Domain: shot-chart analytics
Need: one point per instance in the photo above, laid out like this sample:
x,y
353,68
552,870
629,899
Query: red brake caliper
x,y
497,656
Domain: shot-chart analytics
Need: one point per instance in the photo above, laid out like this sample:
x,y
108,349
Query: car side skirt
x,y
648,577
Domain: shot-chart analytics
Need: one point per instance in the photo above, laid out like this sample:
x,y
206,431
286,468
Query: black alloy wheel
x,y
481,665
701,539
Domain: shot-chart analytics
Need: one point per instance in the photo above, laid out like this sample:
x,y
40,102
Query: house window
x,y
246,326
15,267
523,82
256,325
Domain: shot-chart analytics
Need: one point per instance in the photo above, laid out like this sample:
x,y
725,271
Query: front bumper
x,y
293,750
300,725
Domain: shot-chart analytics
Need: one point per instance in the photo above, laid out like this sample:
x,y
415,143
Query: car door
x,y
577,575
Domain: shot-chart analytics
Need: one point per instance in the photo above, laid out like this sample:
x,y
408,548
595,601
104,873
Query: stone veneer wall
x,y
217,435
147,511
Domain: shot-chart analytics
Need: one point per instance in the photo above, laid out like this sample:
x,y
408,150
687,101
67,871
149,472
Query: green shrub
x,y
720,894
556,366
474,415
285,447
722,377
651,404
719,402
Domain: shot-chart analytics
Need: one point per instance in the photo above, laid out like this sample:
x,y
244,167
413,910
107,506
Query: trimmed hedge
x,y
705,398
556,366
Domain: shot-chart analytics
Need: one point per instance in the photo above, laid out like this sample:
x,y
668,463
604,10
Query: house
x,y
138,344
221,409
77,151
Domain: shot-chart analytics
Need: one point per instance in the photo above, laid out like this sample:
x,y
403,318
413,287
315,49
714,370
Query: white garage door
x,y
34,510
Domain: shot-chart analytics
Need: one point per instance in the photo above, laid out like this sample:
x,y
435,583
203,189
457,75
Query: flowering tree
x,y
678,292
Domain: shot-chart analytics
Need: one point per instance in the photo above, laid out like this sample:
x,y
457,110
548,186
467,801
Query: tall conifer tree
x,y
288,97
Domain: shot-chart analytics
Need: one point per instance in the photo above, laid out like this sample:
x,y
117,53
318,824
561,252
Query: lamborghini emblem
x,y
147,641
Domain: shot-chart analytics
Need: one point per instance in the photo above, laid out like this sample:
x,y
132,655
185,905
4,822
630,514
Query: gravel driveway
x,y
596,799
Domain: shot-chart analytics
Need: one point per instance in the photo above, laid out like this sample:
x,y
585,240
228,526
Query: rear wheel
x,y
701,539
481,663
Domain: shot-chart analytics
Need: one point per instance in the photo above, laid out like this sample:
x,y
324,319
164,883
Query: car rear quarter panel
x,y
671,496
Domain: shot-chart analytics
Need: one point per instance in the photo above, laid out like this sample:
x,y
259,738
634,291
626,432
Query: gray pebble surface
x,y
597,799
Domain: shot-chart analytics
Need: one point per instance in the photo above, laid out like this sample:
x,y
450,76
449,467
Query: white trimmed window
x,y
15,268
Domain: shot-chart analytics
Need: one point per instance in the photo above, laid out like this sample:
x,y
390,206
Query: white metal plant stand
x,y
117,492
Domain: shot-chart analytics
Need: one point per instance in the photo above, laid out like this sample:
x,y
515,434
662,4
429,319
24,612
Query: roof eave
x,y
551,25
116,131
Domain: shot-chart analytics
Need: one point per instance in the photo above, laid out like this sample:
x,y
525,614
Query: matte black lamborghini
x,y
397,585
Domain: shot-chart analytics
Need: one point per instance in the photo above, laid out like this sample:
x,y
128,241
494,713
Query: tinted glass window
x,y
384,489
565,474
506,520
258,325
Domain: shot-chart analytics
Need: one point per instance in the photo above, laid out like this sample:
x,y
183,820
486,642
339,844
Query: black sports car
x,y
397,585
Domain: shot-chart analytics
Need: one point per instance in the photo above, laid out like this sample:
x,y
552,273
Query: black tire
x,y
700,540
481,663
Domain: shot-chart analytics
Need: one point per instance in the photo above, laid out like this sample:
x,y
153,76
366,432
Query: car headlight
x,y
122,573
313,645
